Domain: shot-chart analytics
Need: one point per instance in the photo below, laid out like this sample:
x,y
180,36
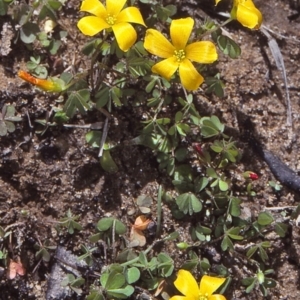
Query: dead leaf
x,y
137,237
161,286
15,268
141,223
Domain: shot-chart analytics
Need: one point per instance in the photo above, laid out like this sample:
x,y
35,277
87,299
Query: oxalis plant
x,y
144,60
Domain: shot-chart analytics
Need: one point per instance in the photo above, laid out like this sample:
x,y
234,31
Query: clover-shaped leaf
x,y
188,203
7,117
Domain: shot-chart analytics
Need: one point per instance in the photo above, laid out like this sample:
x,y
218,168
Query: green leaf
x,y
250,283
215,85
178,116
192,262
223,185
120,227
10,126
235,237
132,275
77,100
47,11
269,283
107,162
95,295
228,46
104,278
217,147
144,202
54,47
115,281
104,224
78,282
93,138
251,251
165,264
121,293
211,173
263,254
281,229
208,131
181,154
200,184
143,258
183,129
188,203
172,236
164,13
60,117
265,218
28,32
226,243
234,207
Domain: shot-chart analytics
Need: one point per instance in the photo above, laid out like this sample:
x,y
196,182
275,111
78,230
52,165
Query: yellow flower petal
x,y
249,17
125,35
246,13
94,7
157,44
166,68
130,15
182,298
208,284
186,283
91,25
114,6
216,297
202,52
190,79
180,31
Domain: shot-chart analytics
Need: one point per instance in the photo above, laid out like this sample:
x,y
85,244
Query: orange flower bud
x,y
49,85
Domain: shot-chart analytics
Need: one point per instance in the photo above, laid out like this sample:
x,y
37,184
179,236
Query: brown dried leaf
x,y
141,223
15,268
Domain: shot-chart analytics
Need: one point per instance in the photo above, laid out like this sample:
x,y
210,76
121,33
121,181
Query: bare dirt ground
x,y
42,176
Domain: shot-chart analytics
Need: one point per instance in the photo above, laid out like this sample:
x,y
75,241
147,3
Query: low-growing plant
x,y
7,119
158,73
70,222
73,283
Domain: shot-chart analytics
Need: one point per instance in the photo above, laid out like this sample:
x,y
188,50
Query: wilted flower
x,y
246,13
251,175
111,17
49,85
14,268
136,234
188,286
179,55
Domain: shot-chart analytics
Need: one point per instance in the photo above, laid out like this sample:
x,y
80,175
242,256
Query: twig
x,y
94,126
280,208
280,66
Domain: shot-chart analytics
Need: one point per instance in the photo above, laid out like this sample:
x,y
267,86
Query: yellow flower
x,y
49,85
178,54
246,13
112,16
187,285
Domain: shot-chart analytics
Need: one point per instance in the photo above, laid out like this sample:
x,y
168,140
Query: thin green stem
x,y
159,210
94,59
216,28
